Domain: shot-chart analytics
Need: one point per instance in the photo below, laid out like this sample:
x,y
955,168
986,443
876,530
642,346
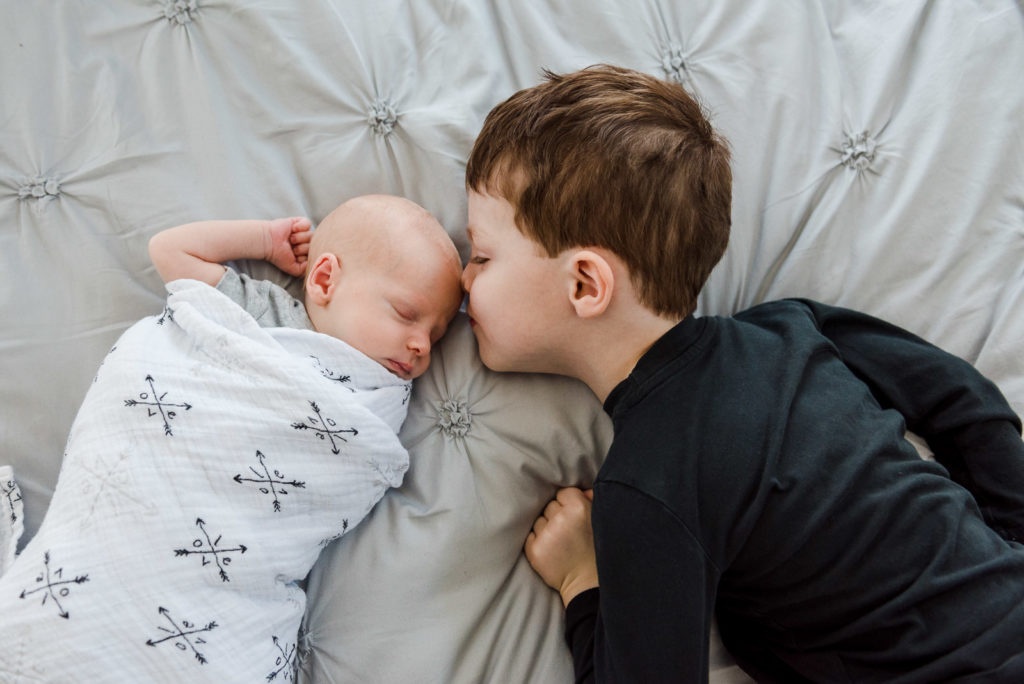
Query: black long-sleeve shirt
x,y
759,472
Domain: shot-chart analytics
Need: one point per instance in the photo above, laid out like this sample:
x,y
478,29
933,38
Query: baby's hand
x,y
289,244
561,546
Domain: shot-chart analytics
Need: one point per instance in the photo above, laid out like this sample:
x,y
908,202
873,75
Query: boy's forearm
x,y
197,250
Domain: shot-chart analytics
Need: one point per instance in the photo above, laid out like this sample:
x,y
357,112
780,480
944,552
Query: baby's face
x,y
395,309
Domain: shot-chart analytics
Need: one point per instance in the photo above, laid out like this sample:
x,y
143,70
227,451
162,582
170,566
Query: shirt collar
x,y
672,345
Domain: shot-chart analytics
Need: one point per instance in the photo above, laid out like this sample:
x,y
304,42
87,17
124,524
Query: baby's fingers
x,y
301,224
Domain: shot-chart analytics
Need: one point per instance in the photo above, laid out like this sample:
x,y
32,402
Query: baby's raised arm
x,y
197,250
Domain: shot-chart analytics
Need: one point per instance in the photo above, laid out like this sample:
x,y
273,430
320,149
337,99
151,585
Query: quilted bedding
x,y
877,158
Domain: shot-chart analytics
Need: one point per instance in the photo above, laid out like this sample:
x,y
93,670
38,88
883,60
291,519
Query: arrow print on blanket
x,y
53,585
272,483
209,549
107,483
185,637
325,428
284,663
331,374
12,494
155,405
344,529
168,315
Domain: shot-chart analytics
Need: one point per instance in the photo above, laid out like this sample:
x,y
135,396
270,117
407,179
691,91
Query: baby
x,y
380,274
223,443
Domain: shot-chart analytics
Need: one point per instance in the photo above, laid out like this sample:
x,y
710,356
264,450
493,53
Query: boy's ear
x,y
592,282
323,278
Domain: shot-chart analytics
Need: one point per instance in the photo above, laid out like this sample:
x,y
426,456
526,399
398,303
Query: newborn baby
x,y
224,443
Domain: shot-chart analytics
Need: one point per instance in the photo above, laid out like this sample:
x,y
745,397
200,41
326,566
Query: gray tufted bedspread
x,y
878,162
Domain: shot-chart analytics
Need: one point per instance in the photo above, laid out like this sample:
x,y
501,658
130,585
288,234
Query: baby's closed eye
x,y
404,313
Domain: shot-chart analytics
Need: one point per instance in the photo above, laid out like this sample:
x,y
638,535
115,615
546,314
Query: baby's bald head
x,y
383,230
384,276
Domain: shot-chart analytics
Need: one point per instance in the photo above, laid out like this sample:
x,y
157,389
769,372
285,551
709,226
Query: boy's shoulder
x,y
786,317
776,309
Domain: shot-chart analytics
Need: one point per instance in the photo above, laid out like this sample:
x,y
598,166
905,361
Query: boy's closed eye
x,y
478,260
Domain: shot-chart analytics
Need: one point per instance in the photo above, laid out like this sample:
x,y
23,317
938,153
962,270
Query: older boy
x,y
757,471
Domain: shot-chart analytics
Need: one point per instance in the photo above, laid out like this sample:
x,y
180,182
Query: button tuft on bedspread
x,y
180,12
382,117
39,188
454,418
858,151
673,64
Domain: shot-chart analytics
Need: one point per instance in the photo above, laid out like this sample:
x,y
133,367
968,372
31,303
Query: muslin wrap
x,y
210,463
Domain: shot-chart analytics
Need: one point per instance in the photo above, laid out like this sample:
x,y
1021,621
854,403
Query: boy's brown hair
x,y
614,158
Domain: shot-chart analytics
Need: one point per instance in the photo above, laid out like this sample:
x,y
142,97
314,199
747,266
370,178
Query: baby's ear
x,y
322,278
591,283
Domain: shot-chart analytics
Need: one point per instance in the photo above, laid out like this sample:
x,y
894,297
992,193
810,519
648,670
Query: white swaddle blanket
x,y
209,464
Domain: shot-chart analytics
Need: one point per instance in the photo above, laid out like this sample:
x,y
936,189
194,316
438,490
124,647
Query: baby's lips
x,y
399,367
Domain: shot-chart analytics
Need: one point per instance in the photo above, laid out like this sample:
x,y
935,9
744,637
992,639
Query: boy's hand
x,y
288,247
561,546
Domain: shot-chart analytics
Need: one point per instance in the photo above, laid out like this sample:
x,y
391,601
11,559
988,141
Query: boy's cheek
x,y
487,356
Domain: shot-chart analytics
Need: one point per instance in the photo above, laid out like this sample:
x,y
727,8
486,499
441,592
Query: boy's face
x,y
396,309
514,290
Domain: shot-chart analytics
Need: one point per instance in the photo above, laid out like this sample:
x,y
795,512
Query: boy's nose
x,y
467,277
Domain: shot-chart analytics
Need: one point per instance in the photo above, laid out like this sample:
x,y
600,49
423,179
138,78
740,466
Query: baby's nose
x,y
419,343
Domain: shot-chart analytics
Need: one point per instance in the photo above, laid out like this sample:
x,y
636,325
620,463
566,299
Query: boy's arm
x,y
967,422
651,619
197,250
